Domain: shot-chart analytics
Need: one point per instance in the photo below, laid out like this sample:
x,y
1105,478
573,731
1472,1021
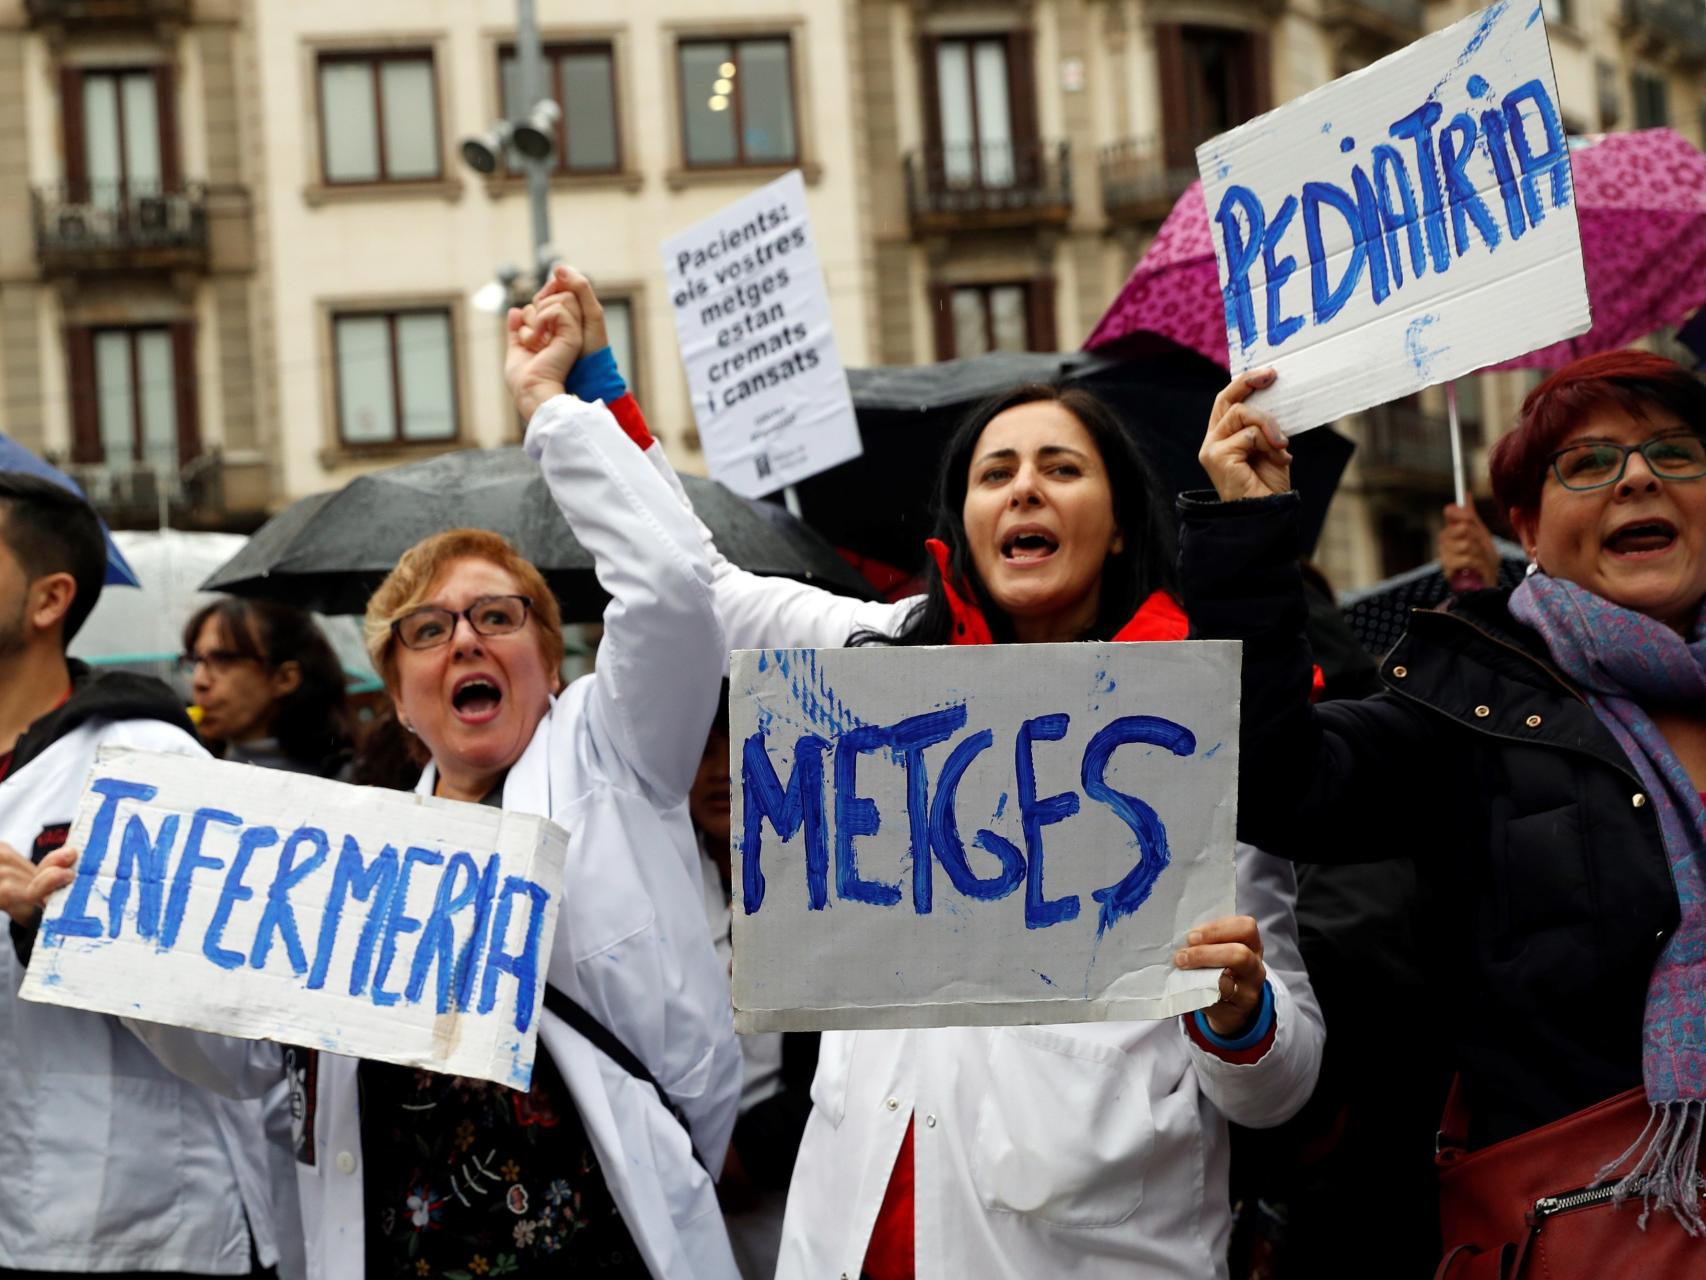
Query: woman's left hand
x,y
1232,944
535,365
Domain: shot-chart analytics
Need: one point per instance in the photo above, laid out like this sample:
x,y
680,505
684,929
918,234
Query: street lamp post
x,y
533,135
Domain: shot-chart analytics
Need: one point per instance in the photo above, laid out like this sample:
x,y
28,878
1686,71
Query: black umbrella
x,y
328,552
1379,615
878,504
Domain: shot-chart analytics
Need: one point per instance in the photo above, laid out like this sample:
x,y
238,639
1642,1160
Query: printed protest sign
x,y
277,906
752,314
1402,226
978,835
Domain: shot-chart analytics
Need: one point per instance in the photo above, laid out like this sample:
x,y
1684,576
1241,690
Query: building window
x,y
975,111
619,324
581,79
973,320
396,377
122,151
737,102
378,118
139,410
1212,79
1651,96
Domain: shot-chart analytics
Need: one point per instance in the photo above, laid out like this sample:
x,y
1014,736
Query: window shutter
x,y
85,396
928,62
1258,95
942,308
71,121
1177,147
1040,298
188,397
166,98
1022,85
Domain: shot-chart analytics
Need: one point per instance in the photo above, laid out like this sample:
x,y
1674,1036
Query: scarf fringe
x,y
1667,1173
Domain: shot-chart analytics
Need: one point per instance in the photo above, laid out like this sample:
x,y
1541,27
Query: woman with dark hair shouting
x,y
1541,754
1090,1149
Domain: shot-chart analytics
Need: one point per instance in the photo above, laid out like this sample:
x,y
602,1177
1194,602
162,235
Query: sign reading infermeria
x,y
1402,226
268,905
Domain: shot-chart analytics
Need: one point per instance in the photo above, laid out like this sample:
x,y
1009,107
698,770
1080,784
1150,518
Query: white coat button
x,y
1638,800
345,1162
893,1104
929,1122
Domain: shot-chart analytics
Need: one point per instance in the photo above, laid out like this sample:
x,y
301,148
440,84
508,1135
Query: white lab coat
x,y
108,1162
612,763
1089,1149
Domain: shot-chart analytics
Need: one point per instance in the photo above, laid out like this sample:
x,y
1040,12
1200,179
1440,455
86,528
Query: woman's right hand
x,y
26,886
1245,452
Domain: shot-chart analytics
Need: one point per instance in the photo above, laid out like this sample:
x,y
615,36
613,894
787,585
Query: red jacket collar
x,y
1157,618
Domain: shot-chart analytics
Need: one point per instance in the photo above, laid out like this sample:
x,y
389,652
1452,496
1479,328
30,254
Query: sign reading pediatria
x,y
752,314
1402,226
978,835
277,906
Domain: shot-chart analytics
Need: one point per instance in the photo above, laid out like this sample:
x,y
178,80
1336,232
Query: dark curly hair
x,y
1143,566
312,721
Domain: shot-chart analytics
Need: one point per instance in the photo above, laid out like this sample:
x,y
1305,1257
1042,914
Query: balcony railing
x,y
1400,442
1142,177
106,14
1673,28
1390,19
990,184
81,227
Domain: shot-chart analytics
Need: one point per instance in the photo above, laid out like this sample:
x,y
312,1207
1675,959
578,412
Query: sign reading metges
x,y
752,314
978,835
276,906
1402,226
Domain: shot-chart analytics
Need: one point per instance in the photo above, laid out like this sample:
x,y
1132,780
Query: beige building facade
x,y
239,247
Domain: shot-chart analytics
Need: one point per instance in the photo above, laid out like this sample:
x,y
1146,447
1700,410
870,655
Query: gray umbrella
x,y
1379,615
328,552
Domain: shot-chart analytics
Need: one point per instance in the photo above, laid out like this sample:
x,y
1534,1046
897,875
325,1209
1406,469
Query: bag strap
x,y
606,1042
1452,1140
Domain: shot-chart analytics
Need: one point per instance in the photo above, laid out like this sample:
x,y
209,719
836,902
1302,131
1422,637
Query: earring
x,y
1533,568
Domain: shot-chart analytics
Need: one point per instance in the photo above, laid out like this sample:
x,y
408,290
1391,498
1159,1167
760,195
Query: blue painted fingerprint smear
x,y
1479,88
1416,350
1534,17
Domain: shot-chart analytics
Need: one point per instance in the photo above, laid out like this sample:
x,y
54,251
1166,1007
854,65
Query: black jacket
x,y
1483,763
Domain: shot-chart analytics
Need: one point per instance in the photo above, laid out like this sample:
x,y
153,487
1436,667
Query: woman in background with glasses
x,y
1541,753
267,688
410,1174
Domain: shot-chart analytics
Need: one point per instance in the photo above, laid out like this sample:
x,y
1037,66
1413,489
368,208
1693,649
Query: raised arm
x,y
1314,782
757,612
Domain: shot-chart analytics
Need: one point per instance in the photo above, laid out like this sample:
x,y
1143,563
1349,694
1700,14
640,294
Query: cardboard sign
x,y
978,835
752,314
277,906
1402,226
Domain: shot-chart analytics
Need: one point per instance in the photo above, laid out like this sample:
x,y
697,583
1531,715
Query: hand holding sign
x,y
25,886
1244,451
1233,944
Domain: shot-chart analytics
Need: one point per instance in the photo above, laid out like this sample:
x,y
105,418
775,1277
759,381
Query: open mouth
x,y
1028,544
476,699
1642,537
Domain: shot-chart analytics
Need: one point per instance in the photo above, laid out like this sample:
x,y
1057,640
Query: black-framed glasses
x,y
219,660
432,625
1679,455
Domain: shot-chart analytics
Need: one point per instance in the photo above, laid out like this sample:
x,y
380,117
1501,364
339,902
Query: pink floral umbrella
x,y
1641,204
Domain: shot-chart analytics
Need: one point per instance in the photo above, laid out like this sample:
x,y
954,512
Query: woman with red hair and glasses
x,y
1542,753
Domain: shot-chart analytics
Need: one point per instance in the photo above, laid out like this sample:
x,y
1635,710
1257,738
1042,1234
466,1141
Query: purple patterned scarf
x,y
1622,661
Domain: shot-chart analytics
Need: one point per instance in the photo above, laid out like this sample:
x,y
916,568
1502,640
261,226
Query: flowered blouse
x,y
468,1179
